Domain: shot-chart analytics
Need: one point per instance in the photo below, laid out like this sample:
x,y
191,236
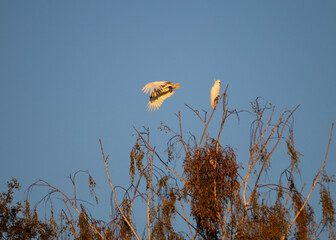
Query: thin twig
x,y
224,117
149,193
185,215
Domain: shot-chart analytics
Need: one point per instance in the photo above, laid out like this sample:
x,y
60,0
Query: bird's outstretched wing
x,y
154,88
156,102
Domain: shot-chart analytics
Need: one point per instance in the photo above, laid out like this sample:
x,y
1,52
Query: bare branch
x,y
114,194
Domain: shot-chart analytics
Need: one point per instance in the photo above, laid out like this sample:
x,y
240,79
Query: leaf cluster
x,y
18,221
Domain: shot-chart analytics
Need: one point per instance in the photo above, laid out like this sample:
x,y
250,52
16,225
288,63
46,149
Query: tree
x,y
215,196
17,221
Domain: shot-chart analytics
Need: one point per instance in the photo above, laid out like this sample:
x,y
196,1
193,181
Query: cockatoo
x,y
158,92
214,94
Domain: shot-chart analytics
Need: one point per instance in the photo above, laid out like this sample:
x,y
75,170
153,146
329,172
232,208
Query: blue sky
x,y
71,72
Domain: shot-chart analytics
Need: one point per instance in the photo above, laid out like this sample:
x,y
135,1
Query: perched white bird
x,y
214,94
158,92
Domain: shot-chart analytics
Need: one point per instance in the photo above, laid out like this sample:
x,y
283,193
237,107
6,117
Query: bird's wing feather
x,y
156,102
153,87
214,94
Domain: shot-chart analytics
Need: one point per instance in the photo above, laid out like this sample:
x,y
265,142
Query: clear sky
x,y
71,72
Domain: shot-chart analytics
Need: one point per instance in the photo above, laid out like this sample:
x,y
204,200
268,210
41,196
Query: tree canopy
x,y
214,196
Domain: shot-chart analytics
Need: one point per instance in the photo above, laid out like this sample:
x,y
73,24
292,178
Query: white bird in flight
x,y
158,92
214,94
